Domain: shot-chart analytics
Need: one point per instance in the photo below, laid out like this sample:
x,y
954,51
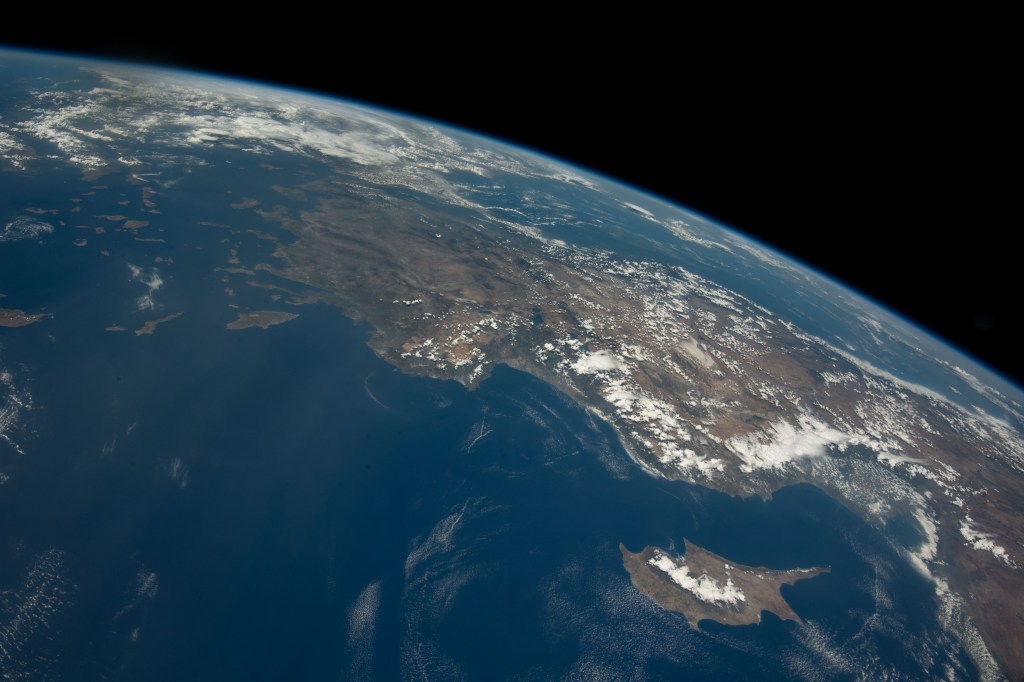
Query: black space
x,y
875,155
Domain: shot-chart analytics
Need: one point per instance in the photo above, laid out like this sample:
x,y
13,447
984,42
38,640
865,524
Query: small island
x,y
261,318
245,202
704,586
150,326
11,317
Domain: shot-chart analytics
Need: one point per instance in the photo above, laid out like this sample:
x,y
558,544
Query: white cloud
x,y
783,441
365,147
983,541
178,471
23,227
362,629
146,584
8,143
704,587
642,211
599,361
152,280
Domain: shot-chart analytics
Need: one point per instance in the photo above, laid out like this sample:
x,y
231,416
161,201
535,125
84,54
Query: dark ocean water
x,y
281,504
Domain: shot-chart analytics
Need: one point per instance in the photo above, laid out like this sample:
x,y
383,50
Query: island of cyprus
x,y
704,586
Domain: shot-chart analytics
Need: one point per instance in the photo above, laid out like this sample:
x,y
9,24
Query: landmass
x,y
135,224
701,383
261,318
150,327
704,586
294,297
12,317
290,192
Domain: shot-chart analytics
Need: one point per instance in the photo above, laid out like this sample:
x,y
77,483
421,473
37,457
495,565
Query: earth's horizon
x,y
306,388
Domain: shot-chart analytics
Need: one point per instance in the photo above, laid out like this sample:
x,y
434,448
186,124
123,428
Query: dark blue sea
x,y
282,504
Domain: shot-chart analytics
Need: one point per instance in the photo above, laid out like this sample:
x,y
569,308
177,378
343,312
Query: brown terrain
x,y
150,326
701,384
261,318
11,317
760,588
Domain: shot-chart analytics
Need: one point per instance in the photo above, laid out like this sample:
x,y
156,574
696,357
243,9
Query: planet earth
x,y
293,388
